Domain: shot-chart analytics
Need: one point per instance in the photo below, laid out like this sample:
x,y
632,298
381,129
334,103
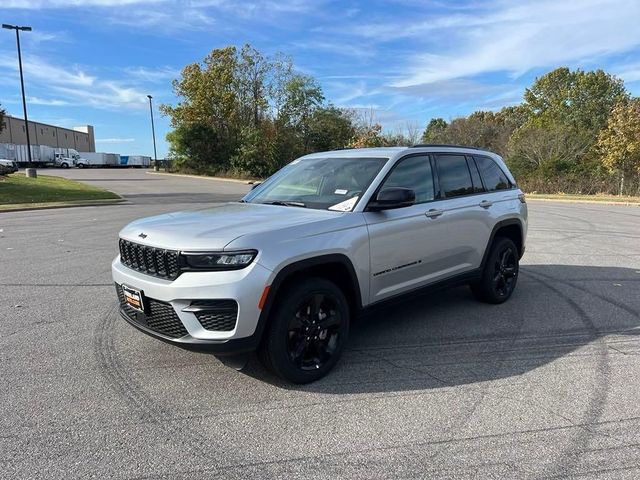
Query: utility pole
x,y
153,133
24,99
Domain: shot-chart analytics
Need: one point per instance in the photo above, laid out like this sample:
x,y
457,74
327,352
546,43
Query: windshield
x,y
320,183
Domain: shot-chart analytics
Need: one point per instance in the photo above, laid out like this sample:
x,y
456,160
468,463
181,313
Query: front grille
x,y
220,315
159,317
150,260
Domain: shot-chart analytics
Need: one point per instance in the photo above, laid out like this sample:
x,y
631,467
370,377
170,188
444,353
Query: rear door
x,y
465,220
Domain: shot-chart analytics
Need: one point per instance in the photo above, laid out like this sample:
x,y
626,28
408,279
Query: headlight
x,y
217,260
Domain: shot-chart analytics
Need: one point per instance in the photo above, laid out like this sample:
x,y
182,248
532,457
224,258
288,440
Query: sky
x,y
406,61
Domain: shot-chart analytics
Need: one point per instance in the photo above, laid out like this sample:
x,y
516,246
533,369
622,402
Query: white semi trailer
x,y
136,161
42,155
100,159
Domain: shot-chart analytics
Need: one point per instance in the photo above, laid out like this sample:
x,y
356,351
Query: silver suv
x,y
284,270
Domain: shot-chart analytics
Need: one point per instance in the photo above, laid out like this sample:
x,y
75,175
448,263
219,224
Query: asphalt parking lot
x,y
546,385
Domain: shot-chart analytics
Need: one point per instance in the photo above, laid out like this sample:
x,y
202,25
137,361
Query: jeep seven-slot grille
x,y
150,260
159,317
220,315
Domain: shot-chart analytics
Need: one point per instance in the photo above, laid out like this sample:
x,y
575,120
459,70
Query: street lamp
x,y
153,132
24,100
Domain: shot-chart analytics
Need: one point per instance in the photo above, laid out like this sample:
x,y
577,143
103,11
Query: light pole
x,y
153,132
24,100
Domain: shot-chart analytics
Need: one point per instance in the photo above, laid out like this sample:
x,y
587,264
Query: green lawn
x,y
17,189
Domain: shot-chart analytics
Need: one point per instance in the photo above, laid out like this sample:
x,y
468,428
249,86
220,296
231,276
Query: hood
x,y
214,228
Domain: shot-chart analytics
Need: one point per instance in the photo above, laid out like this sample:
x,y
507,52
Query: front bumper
x,y
244,286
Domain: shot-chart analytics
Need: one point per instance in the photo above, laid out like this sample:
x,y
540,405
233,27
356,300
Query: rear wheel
x,y
81,165
307,331
65,165
500,273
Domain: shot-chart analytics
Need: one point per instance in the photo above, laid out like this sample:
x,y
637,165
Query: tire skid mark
x,y
124,384
567,461
455,440
572,284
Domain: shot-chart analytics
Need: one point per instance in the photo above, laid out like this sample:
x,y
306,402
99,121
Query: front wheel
x,y
81,165
500,273
65,165
307,331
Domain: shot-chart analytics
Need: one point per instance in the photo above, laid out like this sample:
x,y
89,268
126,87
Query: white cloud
x,y
76,87
629,72
517,37
115,140
51,4
52,102
153,75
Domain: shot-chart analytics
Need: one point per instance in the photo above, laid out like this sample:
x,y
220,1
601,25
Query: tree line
x,y
243,113
575,132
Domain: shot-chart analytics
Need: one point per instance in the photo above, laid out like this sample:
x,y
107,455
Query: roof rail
x,y
420,145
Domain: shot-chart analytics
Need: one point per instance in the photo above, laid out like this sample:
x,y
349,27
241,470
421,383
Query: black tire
x,y
300,344
80,165
64,165
500,274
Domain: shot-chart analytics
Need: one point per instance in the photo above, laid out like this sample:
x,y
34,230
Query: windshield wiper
x,y
285,204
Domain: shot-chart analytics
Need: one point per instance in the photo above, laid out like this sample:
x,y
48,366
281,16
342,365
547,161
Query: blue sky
x,y
94,61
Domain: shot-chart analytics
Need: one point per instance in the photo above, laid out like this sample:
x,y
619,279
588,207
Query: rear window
x,y
493,176
454,175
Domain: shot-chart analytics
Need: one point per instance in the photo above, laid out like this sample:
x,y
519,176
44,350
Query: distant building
x,y
80,138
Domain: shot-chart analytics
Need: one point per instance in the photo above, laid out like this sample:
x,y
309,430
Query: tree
x,y
545,151
258,112
329,128
483,129
578,99
564,110
199,147
619,142
434,133
368,136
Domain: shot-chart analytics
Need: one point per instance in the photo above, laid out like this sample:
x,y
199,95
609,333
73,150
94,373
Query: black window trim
x,y
427,156
471,162
511,184
441,195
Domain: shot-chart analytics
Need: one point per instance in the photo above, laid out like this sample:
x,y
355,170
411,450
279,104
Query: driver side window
x,y
414,173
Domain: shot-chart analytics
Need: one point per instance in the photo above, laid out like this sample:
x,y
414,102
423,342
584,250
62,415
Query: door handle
x,y
434,213
485,203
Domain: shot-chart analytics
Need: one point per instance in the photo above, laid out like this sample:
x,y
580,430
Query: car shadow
x,y
447,338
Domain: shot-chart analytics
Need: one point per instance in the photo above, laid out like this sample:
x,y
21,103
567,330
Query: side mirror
x,y
255,185
392,197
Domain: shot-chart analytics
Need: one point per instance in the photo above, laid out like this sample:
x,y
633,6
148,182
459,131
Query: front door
x,y
403,240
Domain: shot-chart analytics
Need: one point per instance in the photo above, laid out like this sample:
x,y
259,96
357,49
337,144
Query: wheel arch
x,y
335,267
511,228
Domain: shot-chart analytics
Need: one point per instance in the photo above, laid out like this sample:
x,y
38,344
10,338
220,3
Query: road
x,y
546,385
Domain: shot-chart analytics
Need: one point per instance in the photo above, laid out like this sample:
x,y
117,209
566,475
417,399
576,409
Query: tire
x,y
81,165
65,165
500,274
300,345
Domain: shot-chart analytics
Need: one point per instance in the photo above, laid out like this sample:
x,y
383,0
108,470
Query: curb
x,y
204,177
49,206
592,202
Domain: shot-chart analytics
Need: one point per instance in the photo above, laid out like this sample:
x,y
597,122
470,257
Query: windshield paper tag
x,y
345,206
341,192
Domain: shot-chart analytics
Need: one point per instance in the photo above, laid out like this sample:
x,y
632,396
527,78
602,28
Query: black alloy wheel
x,y
505,270
500,273
307,330
314,331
